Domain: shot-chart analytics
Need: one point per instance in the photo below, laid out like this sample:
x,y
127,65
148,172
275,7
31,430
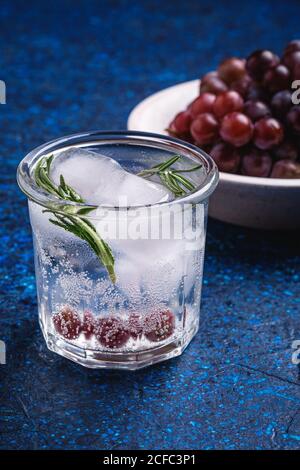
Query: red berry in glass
x,y
276,79
203,104
281,103
259,62
135,325
285,169
268,132
256,110
213,85
111,332
226,157
67,323
88,324
293,119
256,163
231,69
236,129
204,129
159,325
287,150
227,102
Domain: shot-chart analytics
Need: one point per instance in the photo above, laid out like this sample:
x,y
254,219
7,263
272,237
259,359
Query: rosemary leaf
x,y
194,168
188,184
172,178
163,166
68,218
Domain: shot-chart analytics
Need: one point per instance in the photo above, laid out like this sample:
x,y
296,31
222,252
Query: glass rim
x,y
36,194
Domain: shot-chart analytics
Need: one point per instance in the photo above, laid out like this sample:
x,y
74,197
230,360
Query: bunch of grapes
x,y
244,116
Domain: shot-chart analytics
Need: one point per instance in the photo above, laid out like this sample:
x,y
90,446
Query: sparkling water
x,y
154,303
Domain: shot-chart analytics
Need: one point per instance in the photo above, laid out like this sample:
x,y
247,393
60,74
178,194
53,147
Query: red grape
x,y
293,119
231,69
296,72
213,85
226,156
181,123
268,132
256,163
259,62
287,150
111,332
135,325
204,128
208,76
281,103
256,110
227,102
236,128
88,324
291,59
292,46
242,85
159,325
67,323
277,78
285,169
202,104
248,102
256,93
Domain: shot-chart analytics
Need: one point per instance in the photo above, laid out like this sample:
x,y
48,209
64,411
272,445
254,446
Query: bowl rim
x,y
259,181
223,177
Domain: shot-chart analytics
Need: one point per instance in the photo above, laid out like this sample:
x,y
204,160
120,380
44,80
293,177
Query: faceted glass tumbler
x,y
150,312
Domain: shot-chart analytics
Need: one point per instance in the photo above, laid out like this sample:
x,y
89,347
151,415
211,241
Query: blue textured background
x,y
82,65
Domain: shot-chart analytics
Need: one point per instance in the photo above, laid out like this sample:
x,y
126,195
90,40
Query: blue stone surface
x,y
75,66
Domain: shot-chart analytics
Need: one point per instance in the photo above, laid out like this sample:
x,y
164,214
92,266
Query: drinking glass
x,y
150,311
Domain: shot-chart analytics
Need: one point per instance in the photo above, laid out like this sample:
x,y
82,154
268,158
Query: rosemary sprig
x,y
69,218
172,178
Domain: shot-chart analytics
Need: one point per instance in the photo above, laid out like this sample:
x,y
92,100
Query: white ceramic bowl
x,y
265,203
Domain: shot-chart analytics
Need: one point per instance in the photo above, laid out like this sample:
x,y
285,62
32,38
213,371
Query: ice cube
x,y
158,271
154,265
102,180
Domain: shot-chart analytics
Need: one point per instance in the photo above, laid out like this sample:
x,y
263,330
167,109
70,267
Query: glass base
x,y
96,359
